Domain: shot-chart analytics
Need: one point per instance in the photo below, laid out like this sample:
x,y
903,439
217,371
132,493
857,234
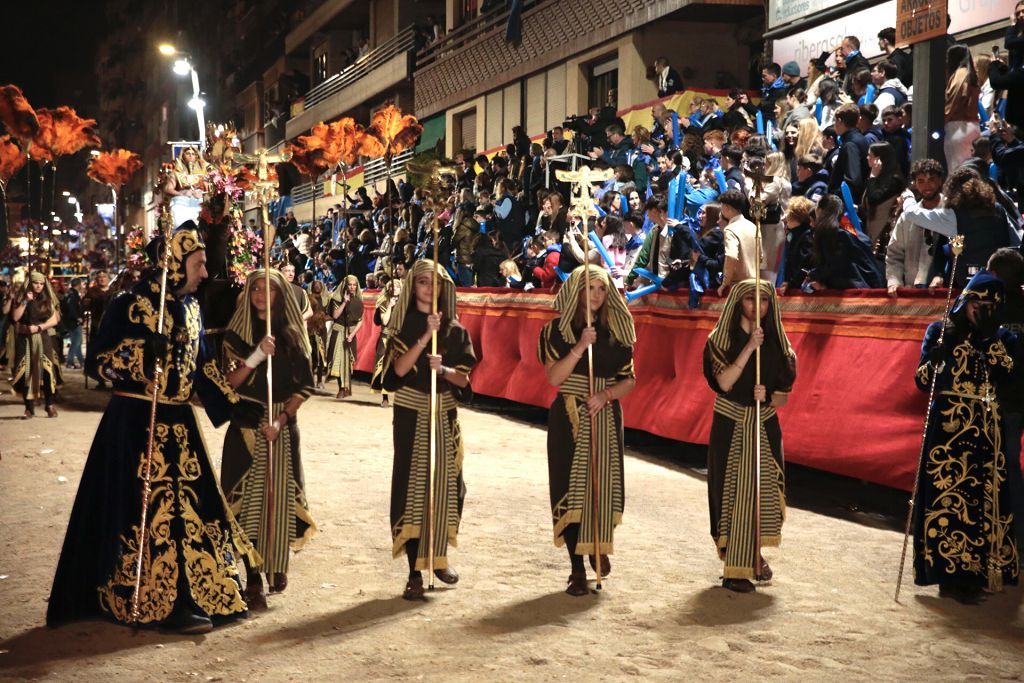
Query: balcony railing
x,y
468,33
402,42
373,171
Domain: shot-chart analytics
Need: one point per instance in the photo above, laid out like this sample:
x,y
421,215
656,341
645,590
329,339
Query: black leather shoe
x,y
188,623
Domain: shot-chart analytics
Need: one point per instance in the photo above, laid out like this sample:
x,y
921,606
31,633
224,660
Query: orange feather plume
x,y
11,158
61,132
308,151
392,131
114,168
17,114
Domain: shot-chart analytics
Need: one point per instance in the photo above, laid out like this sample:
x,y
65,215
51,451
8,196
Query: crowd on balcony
x,y
823,156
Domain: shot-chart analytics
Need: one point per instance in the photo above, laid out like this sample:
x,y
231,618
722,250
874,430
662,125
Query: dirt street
x,y
829,614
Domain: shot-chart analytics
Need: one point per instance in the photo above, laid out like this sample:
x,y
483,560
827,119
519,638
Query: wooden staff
x,y
147,467
757,381
956,245
268,489
434,414
594,464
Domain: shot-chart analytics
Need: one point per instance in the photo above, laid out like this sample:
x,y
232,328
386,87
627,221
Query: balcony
x,y
380,70
475,58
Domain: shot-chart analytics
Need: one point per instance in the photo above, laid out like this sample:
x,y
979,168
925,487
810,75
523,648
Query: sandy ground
x,y
828,615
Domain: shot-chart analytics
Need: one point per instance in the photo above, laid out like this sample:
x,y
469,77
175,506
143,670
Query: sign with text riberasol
x,y
787,11
919,20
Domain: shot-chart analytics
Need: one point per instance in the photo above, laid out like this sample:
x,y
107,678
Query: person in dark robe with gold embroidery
x,y
346,310
189,576
964,530
729,367
406,371
383,308
577,416
37,372
244,467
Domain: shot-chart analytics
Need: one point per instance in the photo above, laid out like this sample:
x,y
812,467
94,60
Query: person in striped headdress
x,y
563,349
729,368
405,371
345,308
244,468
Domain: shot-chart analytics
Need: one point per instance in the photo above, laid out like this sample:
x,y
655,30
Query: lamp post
x,y
183,67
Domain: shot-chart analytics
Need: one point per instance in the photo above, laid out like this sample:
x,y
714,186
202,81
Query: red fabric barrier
x,y
854,410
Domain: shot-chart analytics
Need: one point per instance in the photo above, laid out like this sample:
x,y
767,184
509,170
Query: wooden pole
x,y
595,471
268,489
434,416
147,467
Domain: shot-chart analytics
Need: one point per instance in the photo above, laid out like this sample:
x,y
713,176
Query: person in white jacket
x,y
891,91
906,258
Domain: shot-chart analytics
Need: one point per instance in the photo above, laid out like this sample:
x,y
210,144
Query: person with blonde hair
x,y
510,271
808,139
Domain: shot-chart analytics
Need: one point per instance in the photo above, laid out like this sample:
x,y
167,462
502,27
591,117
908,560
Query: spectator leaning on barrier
x,y
739,241
908,256
799,247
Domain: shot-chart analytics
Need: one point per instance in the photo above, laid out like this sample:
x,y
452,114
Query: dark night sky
x,y
50,51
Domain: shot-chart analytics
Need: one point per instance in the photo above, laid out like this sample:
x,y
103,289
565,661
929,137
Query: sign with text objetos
x,y
919,20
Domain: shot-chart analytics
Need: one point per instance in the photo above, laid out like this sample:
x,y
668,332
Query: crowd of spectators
x,y
828,144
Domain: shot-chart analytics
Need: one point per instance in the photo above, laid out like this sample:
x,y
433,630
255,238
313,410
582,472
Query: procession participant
x,y
963,523
406,371
36,366
186,186
729,368
189,573
244,470
383,307
316,329
97,297
345,308
562,349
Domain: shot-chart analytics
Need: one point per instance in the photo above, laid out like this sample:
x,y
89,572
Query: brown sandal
x,y
764,573
277,582
51,411
413,589
606,565
448,576
28,415
578,585
255,597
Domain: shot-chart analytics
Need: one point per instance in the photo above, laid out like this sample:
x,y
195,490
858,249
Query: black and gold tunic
x,y
244,468
411,426
732,472
569,436
964,529
341,353
193,542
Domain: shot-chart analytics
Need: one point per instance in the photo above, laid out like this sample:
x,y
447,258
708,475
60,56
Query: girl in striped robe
x,y
577,416
276,517
406,371
729,368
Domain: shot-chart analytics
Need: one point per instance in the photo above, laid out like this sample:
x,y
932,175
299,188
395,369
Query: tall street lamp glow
x,y
183,67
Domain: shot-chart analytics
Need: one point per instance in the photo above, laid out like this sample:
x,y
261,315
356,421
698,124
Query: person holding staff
x,y
737,510
406,371
346,310
244,470
576,416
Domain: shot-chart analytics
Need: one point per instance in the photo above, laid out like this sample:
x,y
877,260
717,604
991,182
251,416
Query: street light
x,y
183,67
78,207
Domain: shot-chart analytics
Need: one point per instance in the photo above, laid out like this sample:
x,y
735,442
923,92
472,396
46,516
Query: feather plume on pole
x,y
114,169
11,161
391,132
22,124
